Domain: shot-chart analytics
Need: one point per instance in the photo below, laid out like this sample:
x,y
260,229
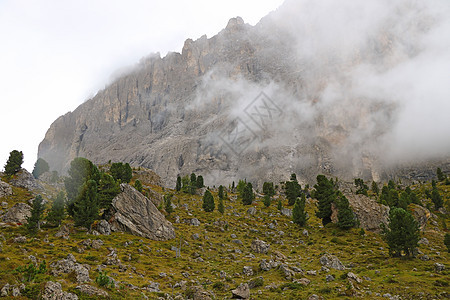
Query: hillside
x,y
247,244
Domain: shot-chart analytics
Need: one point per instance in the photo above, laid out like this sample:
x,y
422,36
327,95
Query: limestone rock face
x,y
17,214
25,179
368,211
174,114
241,292
5,189
134,213
53,291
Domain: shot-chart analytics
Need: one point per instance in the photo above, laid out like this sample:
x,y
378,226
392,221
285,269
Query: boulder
x,y
286,212
260,246
438,267
134,213
369,212
104,228
53,291
24,180
420,214
5,189
248,271
63,232
251,211
17,214
332,262
68,265
241,292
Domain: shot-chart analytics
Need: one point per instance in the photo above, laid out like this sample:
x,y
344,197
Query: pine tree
x,y
240,187
200,182
34,221
40,167
393,198
440,175
247,194
279,205
293,190
86,205
108,188
193,184
121,171
402,233
14,162
208,202
268,189
384,197
178,185
436,198
186,184
220,207
220,192
362,187
168,203
56,213
138,185
404,200
267,200
298,212
346,218
325,194
375,188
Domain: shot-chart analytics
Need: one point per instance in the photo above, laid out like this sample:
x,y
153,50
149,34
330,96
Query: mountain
x,y
330,88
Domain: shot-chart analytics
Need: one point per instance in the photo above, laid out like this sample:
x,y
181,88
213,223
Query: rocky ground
x,y
248,252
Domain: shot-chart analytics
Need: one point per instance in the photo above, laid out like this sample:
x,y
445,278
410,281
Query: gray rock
x,y
248,271
4,204
20,239
260,246
195,236
423,241
96,244
153,287
195,222
18,213
103,227
353,276
68,265
329,278
5,190
265,265
238,242
53,291
332,262
198,293
311,272
287,272
251,211
233,236
92,291
438,267
303,281
241,292
425,257
286,212
5,290
134,213
25,180
15,291
63,232
305,232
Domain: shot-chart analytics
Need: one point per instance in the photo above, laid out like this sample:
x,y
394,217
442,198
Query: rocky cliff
x,y
257,101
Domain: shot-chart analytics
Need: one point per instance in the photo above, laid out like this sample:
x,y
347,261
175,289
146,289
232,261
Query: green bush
x,y
103,279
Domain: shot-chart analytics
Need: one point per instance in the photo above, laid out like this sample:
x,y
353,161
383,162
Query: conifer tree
x,y
362,187
121,171
279,205
267,200
220,192
346,218
34,221
200,182
440,175
208,202
325,194
293,190
268,189
247,194
14,162
221,207
56,213
138,185
298,212
178,185
168,203
108,188
86,205
375,188
402,233
404,200
40,167
436,198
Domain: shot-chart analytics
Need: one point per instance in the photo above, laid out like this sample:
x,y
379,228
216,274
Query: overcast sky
x,y
55,54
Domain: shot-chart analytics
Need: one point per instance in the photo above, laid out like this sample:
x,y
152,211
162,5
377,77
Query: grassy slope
x,y
366,255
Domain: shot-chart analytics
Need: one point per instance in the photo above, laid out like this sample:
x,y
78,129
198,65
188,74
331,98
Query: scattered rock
x,y
267,265
311,272
288,273
368,211
96,244
198,293
247,271
63,232
195,236
20,239
423,241
194,222
353,276
305,232
5,190
238,242
92,291
438,267
329,278
302,281
260,246
18,213
286,212
251,211
153,287
314,297
103,227
331,261
53,291
425,257
134,213
69,265
5,290
241,292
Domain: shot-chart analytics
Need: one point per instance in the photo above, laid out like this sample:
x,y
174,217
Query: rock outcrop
x,y
25,179
134,213
369,212
53,291
17,213
5,189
